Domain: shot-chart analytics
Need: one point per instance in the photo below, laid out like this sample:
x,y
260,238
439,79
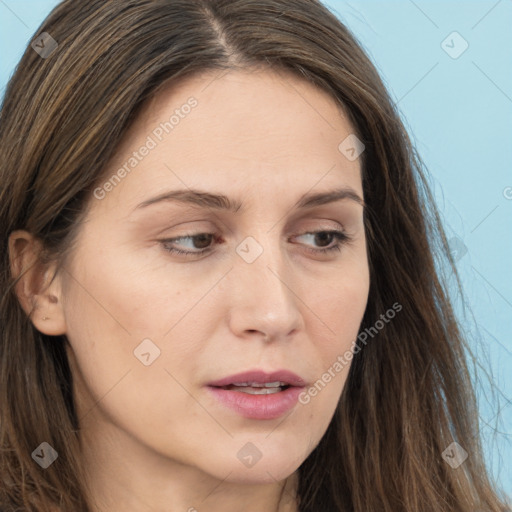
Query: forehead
x,y
242,106
225,130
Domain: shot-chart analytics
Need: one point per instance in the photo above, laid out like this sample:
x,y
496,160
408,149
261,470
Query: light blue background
x,y
459,114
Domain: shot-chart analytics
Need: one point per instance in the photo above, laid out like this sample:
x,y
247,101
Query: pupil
x,y
323,235
202,239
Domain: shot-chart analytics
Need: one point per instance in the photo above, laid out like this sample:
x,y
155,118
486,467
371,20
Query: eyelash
x,y
341,236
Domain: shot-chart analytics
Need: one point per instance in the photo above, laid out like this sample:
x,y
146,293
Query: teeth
x,y
274,384
260,391
260,385
257,388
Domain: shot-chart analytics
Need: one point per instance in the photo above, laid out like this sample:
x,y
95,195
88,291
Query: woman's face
x,y
150,330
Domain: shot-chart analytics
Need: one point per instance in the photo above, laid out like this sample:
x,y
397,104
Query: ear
x,y
39,294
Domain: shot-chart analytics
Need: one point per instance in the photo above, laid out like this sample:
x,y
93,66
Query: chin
x,y
265,474
266,470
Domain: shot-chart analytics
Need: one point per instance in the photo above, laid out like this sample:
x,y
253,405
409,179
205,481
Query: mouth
x,y
257,388
257,394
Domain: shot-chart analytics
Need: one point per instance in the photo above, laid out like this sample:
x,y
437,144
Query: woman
x,y
219,280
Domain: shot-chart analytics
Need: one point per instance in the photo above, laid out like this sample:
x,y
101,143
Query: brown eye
x,y
324,239
200,241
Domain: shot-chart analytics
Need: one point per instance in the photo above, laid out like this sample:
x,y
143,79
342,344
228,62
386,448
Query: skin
x,y
153,437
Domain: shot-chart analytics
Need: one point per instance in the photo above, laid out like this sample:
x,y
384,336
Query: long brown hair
x,y
408,395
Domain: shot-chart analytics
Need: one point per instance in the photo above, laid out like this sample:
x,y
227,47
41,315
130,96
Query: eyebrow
x,y
205,199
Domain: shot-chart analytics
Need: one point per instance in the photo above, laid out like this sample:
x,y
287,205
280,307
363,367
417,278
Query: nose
x,y
264,296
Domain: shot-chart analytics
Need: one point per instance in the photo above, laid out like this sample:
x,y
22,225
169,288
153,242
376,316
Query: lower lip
x,y
258,407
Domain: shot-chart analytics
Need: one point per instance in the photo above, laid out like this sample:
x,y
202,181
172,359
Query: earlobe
x,y
39,295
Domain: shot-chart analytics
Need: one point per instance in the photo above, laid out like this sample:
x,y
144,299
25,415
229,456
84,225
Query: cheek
x,y
341,306
127,295
117,312
113,381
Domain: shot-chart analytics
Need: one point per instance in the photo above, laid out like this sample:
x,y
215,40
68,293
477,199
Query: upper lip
x,y
261,377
